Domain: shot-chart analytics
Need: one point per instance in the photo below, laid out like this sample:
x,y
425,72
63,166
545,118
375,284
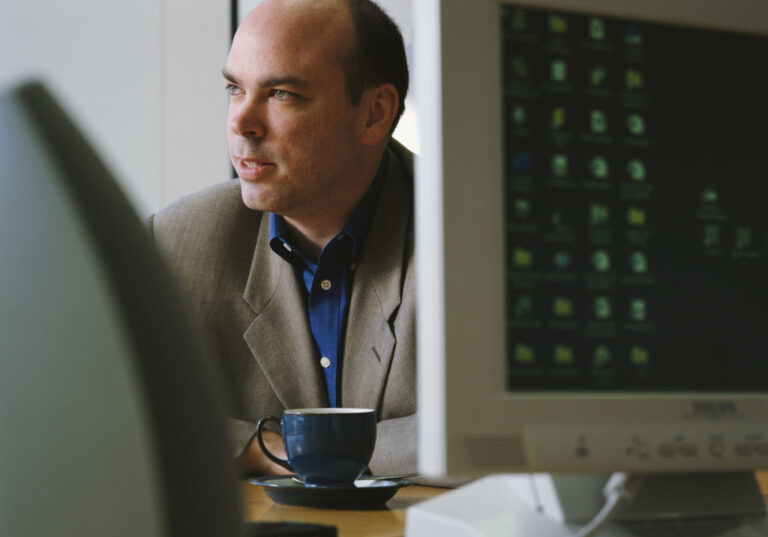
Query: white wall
x,y
143,81
142,78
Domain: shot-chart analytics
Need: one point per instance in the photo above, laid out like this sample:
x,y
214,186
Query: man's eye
x,y
233,90
282,94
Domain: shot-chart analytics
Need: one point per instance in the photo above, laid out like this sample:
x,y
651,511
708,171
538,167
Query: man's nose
x,y
246,118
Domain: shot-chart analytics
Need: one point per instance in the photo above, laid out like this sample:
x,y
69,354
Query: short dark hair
x,y
378,56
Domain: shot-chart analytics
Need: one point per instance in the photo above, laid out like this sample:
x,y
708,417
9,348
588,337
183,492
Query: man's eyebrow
x,y
284,80
287,80
229,76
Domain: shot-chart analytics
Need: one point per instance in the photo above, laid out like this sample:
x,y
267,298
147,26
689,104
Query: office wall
x,y
142,78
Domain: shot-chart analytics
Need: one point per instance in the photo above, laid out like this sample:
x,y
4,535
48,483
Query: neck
x,y
311,238
311,229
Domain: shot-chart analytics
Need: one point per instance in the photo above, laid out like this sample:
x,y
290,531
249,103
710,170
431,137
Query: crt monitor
x,y
592,236
110,421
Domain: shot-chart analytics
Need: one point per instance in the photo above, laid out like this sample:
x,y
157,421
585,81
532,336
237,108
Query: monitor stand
x,y
543,505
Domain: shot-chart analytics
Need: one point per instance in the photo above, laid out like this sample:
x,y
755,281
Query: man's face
x,y
293,134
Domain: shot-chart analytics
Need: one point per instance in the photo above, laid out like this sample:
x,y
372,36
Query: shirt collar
x,y
355,228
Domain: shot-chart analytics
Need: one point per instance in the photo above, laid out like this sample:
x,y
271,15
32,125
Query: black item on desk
x,y
288,529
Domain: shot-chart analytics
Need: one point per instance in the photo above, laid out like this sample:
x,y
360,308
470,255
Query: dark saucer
x,y
366,494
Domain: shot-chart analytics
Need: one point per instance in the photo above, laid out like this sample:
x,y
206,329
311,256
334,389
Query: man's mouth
x,y
253,170
254,163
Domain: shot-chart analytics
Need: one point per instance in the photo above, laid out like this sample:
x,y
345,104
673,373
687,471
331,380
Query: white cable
x,y
620,488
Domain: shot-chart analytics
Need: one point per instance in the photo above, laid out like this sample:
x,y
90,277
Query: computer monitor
x,y
109,416
592,236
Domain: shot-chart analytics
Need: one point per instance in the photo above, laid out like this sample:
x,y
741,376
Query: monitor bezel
x,y
462,397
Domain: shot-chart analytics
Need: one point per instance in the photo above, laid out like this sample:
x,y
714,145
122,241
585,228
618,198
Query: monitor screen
x,y
636,231
591,236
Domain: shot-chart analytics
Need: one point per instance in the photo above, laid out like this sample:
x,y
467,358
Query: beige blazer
x,y
253,307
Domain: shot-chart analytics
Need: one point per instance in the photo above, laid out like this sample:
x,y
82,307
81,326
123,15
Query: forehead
x,y
289,37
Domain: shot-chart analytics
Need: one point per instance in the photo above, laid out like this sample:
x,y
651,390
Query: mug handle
x,y
259,429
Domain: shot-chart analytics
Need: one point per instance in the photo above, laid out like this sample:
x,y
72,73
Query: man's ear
x,y
380,105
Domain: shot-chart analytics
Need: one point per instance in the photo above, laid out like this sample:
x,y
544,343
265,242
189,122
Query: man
x,y
303,269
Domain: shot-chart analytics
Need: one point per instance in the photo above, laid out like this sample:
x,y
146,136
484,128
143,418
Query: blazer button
x,y
325,362
325,285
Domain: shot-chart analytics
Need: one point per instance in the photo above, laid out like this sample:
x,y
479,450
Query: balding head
x,y
371,47
303,148
303,24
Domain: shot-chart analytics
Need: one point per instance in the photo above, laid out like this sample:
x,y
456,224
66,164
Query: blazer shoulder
x,y
210,226
219,201
403,159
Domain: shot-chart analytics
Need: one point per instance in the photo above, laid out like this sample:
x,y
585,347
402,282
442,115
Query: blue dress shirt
x,y
329,280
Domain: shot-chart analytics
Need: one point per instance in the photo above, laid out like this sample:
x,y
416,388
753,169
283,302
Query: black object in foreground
x,y
288,529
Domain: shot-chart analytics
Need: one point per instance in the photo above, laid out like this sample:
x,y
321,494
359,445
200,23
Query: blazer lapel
x,y
279,337
376,294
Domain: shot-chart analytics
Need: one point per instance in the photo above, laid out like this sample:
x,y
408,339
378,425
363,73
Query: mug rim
x,y
327,411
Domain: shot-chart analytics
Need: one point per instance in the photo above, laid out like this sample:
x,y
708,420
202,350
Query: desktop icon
x,y
636,170
597,76
562,259
596,29
557,121
518,20
523,305
558,24
632,35
599,167
563,354
519,66
599,214
559,71
639,356
636,217
522,257
602,308
524,354
601,356
638,262
519,114
562,306
521,162
634,79
557,219
598,122
522,208
559,165
710,195
636,124
637,310
711,237
601,261
743,238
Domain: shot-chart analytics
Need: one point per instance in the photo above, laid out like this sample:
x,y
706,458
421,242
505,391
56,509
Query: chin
x,y
251,196
255,197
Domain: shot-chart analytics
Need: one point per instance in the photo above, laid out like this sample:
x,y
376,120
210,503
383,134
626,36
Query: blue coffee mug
x,y
324,446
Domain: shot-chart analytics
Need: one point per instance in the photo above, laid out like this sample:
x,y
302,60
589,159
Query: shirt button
x,y
325,362
325,285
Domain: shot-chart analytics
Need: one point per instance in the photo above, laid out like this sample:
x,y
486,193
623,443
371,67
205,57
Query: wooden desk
x,y
386,522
